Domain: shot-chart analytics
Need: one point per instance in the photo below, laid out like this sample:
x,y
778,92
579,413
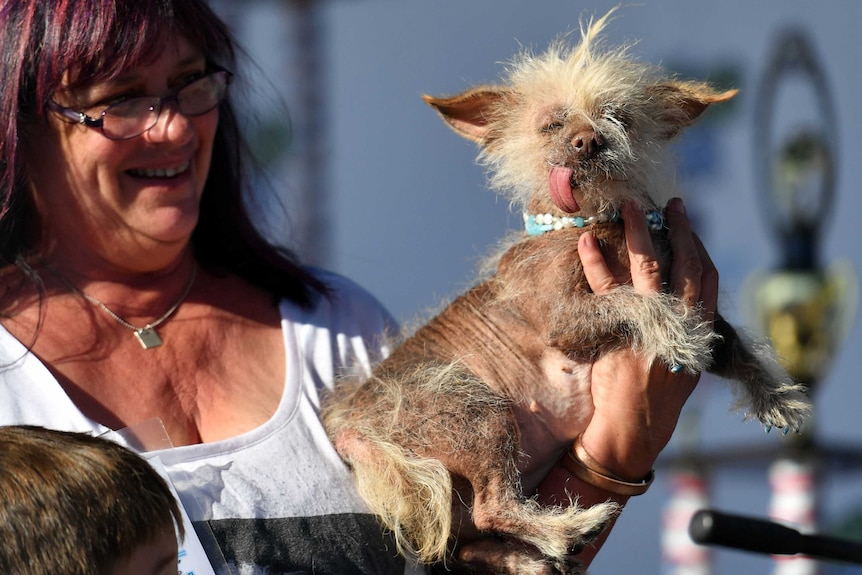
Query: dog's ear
x,y
684,102
472,113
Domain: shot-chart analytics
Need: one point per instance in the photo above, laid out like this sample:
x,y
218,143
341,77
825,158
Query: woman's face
x,y
129,203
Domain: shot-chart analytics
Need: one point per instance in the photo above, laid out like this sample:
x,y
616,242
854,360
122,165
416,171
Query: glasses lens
x,y
130,118
202,95
134,117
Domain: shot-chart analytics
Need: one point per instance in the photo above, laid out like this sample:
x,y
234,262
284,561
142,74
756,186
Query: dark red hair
x,y
46,42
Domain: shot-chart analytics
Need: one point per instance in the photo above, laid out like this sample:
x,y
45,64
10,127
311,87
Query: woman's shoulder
x,y
342,304
344,328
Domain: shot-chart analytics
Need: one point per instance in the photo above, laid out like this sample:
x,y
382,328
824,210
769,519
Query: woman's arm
x,y
637,405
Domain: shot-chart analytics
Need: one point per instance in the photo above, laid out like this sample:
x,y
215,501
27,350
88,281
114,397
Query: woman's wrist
x,y
582,465
628,454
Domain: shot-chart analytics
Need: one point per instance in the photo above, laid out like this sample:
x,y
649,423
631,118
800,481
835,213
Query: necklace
x,y
147,336
537,224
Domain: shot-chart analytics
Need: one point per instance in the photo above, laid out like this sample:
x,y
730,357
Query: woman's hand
x,y
637,405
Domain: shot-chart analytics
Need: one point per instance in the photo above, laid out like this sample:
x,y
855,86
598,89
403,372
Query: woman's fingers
x,y
709,281
692,276
645,268
598,274
686,273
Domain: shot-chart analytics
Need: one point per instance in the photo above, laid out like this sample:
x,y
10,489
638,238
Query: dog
x,y
440,437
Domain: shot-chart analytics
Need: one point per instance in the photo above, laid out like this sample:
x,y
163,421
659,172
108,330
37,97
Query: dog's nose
x,y
587,143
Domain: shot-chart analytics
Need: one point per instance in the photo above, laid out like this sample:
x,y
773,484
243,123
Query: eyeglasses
x,y
131,118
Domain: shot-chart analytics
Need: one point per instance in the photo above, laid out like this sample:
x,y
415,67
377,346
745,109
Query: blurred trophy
x,y
804,308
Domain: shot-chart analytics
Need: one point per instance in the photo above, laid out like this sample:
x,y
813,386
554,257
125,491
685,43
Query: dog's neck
x,y
538,224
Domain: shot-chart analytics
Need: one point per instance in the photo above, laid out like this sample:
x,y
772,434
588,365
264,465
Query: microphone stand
x,y
708,527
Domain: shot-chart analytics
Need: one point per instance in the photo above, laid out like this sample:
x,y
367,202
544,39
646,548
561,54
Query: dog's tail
x,y
412,496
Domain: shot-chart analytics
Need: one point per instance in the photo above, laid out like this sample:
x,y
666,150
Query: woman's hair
x,y
76,504
44,43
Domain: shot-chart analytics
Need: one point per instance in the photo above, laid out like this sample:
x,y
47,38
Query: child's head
x,y
74,504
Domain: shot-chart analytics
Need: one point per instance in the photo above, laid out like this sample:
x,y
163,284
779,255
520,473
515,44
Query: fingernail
x,y
589,239
676,206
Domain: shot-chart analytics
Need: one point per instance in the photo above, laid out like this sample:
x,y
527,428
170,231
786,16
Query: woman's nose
x,y
171,125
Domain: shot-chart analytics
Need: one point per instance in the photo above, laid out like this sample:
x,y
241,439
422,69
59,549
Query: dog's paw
x,y
577,527
508,556
677,335
786,409
764,391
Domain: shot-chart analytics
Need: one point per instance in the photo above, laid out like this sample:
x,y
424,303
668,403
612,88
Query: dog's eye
x,y
552,127
618,115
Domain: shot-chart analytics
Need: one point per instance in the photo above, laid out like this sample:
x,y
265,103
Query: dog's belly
x,y
564,404
552,415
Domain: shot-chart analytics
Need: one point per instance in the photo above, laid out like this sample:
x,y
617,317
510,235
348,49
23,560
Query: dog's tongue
x,y
560,185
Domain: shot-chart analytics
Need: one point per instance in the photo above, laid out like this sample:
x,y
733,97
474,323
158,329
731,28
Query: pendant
x,y
148,337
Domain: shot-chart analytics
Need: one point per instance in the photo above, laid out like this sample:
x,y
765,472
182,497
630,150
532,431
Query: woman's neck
x,y
126,291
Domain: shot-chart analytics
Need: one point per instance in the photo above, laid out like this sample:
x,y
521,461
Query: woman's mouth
x,y
159,172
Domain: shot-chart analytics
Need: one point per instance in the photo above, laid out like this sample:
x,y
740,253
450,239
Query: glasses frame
x,y
80,117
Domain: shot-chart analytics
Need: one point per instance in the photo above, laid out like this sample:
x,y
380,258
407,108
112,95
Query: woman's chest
x,y
214,376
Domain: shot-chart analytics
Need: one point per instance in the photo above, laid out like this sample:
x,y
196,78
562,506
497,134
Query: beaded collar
x,y
537,224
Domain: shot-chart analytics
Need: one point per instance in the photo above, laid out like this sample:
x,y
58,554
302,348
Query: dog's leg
x,y
404,446
659,326
512,557
499,507
764,389
554,531
455,419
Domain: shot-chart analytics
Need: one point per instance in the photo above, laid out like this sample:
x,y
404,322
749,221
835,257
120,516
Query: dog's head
x,y
579,129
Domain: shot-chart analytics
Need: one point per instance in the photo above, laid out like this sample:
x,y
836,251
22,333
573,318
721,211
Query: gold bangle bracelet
x,y
579,463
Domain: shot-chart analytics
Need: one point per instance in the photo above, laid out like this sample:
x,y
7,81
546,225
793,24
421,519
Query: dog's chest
x,y
540,269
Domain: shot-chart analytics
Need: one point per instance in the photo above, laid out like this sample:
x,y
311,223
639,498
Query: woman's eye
x,y
111,101
192,77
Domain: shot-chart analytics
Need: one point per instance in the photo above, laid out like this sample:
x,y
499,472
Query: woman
x,y
135,288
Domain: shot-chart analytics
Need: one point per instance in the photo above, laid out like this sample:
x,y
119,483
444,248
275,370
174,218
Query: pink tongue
x,y
560,185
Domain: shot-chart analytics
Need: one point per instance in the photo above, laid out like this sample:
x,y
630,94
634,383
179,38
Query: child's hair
x,y
75,504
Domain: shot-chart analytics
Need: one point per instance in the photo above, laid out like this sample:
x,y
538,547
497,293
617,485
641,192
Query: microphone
x,y
708,527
